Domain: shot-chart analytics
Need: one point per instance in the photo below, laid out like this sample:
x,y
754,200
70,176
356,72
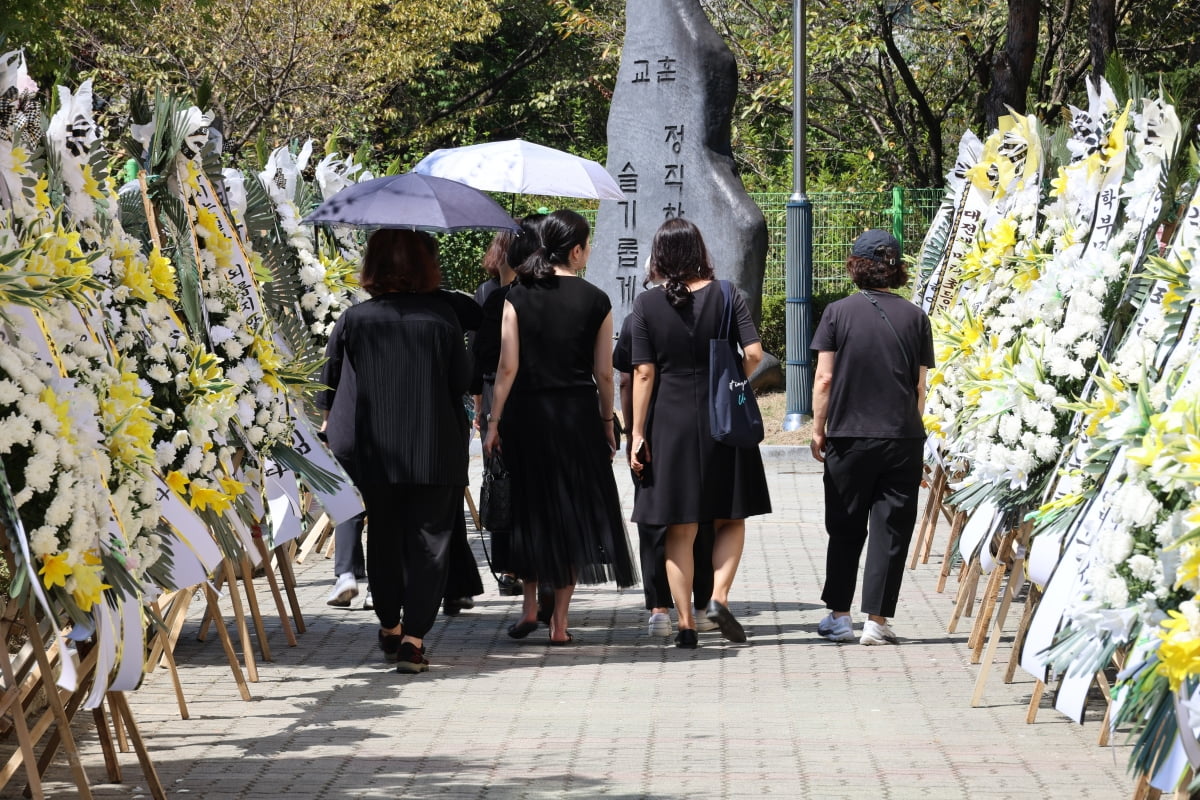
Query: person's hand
x,y
818,446
492,443
639,455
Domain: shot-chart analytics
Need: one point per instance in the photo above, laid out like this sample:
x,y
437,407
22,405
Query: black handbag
x,y
495,498
733,414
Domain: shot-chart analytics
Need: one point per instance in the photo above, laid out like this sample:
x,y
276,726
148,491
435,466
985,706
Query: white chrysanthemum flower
x,y
219,334
1047,448
9,392
1116,593
238,375
192,461
164,454
43,541
1142,566
1116,544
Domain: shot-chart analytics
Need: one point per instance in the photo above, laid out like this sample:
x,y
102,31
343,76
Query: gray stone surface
x,y
621,715
769,375
669,148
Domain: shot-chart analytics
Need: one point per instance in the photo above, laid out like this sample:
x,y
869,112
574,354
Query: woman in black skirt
x,y
687,477
552,419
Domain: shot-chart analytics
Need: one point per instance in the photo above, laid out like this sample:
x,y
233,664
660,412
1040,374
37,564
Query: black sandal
x,y
519,630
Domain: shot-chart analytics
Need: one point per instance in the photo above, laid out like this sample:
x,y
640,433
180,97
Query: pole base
x,y
794,422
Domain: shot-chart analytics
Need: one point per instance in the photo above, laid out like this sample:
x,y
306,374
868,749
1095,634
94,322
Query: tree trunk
x,y
1012,67
1102,34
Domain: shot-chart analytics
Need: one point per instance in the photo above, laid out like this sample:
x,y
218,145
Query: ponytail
x,y
679,257
535,267
678,294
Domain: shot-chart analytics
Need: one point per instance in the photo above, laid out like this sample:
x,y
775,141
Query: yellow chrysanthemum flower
x,y
62,413
91,186
1179,652
162,274
137,278
41,194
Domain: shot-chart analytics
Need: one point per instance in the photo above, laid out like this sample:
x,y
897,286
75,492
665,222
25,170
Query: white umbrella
x,y
521,167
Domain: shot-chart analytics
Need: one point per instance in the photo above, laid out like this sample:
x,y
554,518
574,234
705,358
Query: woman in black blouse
x,y
409,439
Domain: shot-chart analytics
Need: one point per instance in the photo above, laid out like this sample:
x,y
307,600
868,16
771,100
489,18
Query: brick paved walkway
x,y
620,715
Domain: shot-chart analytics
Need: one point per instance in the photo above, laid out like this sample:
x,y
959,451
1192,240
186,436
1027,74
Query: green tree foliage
x,y
891,85
532,77
283,68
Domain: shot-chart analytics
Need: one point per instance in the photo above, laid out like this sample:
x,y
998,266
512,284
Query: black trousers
x,y
408,550
501,540
871,488
347,547
462,573
652,542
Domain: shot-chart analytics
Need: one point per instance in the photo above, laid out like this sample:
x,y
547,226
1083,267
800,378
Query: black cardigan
x,y
410,369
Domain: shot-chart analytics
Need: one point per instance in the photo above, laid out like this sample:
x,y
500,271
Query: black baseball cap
x,y
872,244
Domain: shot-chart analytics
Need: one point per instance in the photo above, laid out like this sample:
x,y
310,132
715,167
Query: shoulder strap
x,y
727,317
899,341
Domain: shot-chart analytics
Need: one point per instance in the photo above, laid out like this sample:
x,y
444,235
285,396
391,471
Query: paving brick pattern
x,y
620,714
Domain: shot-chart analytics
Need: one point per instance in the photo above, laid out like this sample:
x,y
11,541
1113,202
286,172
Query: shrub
x,y
773,329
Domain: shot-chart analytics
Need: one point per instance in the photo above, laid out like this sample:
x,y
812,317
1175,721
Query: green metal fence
x,y
838,218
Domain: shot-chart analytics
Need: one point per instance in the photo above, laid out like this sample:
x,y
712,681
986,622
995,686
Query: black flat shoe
x,y
390,645
568,641
687,638
731,629
510,586
455,605
519,630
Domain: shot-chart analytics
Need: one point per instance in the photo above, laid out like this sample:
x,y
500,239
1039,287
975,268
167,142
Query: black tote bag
x,y
495,498
733,414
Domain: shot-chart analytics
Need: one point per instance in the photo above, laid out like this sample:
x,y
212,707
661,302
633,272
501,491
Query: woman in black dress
x,y
409,437
552,418
486,346
687,477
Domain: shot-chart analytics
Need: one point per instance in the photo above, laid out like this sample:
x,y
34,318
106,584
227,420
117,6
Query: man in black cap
x,y
874,348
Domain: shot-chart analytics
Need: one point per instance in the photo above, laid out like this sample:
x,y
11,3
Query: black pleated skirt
x,y
568,526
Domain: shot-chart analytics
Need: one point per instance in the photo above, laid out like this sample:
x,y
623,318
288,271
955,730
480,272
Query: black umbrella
x,y
420,202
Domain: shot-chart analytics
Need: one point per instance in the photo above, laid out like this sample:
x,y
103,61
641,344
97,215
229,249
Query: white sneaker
x,y
344,590
836,629
704,624
368,603
659,625
874,633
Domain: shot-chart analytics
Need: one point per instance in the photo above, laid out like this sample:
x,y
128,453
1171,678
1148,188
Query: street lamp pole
x,y
798,281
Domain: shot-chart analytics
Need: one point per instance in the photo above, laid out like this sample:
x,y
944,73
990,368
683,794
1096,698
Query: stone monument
x,y
669,149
